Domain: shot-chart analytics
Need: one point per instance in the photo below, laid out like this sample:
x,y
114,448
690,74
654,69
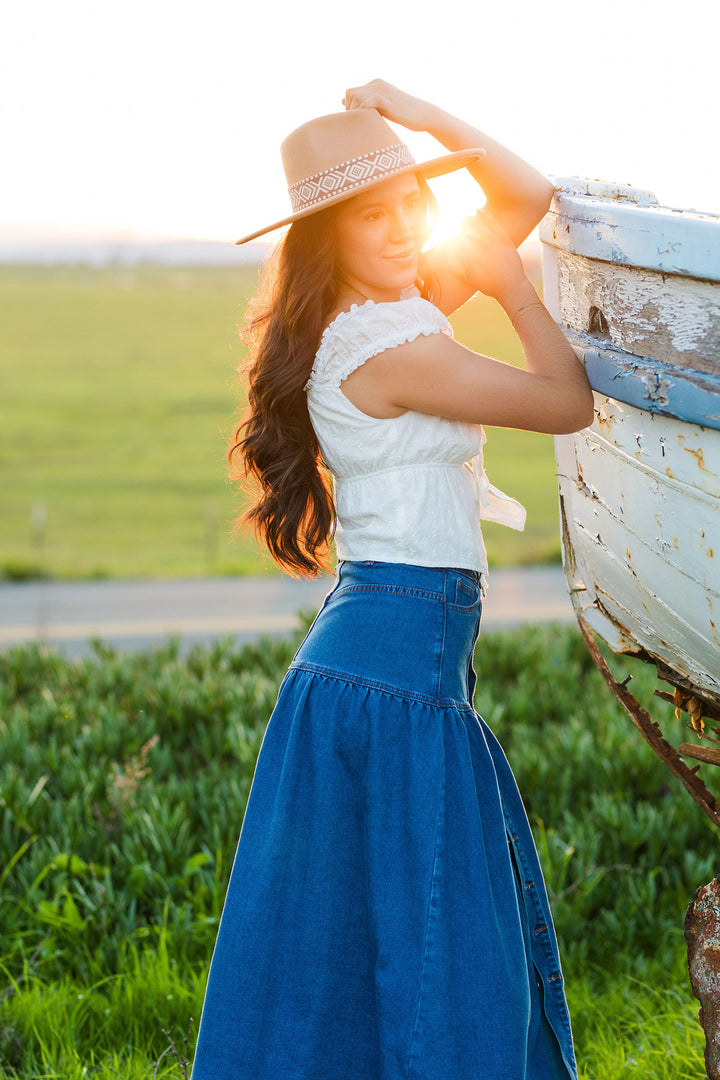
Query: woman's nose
x,y
401,228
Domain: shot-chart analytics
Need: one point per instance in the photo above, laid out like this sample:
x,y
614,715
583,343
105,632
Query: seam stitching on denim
x,y
438,685
401,590
431,903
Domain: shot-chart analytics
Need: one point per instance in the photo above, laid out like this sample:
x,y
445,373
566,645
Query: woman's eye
x,y
375,215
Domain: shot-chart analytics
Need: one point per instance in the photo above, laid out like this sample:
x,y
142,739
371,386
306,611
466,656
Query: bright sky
x,y
165,116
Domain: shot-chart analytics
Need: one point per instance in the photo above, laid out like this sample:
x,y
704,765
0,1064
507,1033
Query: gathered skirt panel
x,y
386,916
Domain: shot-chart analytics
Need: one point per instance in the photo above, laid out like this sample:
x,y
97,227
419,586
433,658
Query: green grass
x,y
642,1025
117,398
623,1026
117,395
123,782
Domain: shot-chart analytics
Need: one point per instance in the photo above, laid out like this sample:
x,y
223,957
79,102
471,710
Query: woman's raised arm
x,y
518,196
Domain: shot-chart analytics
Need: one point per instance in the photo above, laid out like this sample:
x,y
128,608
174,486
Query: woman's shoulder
x,y
355,335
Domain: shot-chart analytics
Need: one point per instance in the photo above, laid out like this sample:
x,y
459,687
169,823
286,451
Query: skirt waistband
x,y
434,578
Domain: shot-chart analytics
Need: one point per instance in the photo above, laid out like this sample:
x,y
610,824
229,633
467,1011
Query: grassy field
x,y
124,780
117,395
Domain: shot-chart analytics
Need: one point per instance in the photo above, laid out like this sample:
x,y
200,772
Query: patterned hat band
x,y
348,175
333,157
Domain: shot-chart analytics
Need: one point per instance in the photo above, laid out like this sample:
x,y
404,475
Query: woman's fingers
x,y
363,97
485,228
390,102
480,229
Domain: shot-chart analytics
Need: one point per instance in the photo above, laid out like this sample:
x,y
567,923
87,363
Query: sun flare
x,y
458,197
448,224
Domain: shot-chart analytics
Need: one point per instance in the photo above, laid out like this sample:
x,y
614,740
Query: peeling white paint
x,y
640,491
678,454
671,319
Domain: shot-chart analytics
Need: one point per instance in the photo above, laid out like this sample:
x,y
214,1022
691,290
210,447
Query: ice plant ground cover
x,y
123,781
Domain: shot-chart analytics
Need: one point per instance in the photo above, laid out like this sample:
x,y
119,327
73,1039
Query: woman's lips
x,y
403,256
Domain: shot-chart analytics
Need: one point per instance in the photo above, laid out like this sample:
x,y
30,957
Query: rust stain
x,y
699,457
603,419
598,603
676,544
586,491
711,553
668,472
631,568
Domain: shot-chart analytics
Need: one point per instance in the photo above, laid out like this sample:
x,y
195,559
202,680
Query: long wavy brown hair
x,y
275,445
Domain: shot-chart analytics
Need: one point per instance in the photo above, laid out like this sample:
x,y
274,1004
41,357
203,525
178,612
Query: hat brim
x,y
459,159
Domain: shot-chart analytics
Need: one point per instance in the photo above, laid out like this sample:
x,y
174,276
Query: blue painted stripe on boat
x,y
693,397
684,242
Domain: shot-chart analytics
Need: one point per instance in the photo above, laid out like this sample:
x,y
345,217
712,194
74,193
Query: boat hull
x,y
640,489
641,542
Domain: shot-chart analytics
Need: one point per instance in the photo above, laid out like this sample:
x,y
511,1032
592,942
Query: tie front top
x,y
411,488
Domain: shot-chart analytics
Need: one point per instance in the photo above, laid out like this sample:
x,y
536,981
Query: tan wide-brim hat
x,y
335,157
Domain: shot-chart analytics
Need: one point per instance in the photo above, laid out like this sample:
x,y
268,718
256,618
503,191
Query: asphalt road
x,y
141,614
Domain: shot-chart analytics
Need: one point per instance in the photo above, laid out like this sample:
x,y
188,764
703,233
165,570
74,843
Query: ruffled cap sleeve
x,y
366,330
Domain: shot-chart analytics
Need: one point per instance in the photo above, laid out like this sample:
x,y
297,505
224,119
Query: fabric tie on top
x,y
495,505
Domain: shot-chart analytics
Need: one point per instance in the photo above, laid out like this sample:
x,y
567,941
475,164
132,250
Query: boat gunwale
x,y
642,233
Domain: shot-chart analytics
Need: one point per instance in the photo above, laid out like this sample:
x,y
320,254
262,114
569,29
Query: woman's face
x,y
380,234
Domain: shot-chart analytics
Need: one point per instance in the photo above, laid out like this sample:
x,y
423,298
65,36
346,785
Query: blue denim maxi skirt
x,y
386,917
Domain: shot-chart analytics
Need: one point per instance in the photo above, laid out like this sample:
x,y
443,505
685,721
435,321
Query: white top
x,y
408,489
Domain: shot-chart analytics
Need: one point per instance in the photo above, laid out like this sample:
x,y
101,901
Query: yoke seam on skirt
x,y
431,906
385,688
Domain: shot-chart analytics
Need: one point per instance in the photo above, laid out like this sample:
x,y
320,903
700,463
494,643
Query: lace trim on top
x,y
368,329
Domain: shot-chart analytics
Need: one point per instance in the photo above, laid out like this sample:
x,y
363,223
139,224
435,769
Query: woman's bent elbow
x,y
547,197
588,409
580,417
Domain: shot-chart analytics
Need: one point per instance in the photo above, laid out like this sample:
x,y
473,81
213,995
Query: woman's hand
x,y
486,258
393,104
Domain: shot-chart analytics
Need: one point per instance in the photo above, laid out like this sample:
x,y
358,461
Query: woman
x,y
386,916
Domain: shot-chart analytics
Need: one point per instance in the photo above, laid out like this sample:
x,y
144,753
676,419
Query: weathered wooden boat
x,y
637,288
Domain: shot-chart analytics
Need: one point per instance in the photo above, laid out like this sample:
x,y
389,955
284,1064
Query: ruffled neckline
x,y
342,316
